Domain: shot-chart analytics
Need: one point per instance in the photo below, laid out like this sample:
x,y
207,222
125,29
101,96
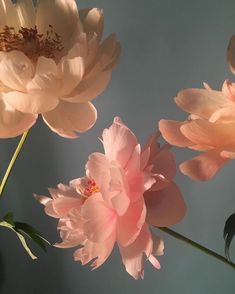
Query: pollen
x,y
30,42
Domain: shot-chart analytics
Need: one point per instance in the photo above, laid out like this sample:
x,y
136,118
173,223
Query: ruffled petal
x,y
68,118
13,122
100,220
170,130
165,207
119,142
98,252
203,167
201,102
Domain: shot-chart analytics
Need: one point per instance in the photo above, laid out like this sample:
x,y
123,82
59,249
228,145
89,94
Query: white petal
x,y
89,89
13,122
71,71
25,13
30,102
68,118
15,70
61,14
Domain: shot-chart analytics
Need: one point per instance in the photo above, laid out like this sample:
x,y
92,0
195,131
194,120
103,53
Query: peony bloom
x,y
210,129
52,63
124,191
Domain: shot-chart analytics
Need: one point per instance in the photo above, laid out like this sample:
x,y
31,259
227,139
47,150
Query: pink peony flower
x,y
124,191
209,128
52,63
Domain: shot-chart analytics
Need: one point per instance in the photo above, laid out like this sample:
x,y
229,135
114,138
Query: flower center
x,y
30,42
90,188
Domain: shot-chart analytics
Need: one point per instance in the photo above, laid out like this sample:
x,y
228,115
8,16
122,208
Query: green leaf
x,y
20,236
23,230
229,232
32,234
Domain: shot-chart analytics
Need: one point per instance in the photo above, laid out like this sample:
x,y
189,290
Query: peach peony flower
x,y
125,190
52,63
210,128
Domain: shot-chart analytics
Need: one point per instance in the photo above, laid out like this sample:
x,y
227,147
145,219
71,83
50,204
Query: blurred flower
x,y
52,63
210,128
125,190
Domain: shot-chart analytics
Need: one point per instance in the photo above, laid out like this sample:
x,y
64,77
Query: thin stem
x,y
12,162
197,246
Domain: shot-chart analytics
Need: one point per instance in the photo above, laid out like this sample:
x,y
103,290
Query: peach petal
x,y
13,122
132,221
119,142
228,89
203,167
165,207
203,132
133,256
231,54
224,115
2,14
201,102
170,130
62,206
68,118
33,102
15,70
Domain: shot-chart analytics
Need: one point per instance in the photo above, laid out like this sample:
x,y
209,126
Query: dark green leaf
x,y
9,218
229,232
32,234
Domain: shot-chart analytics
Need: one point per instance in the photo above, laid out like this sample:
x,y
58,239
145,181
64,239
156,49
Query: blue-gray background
x,y
167,45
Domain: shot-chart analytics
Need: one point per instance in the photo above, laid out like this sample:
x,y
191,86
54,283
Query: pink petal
x,y
170,131
129,225
100,220
228,89
165,207
164,164
62,206
133,256
13,122
119,142
203,167
201,102
68,118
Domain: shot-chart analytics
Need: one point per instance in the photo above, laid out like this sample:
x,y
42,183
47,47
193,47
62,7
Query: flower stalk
x,y
12,162
197,246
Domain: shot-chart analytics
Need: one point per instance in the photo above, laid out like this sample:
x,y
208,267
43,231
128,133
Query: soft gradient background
x,y
167,45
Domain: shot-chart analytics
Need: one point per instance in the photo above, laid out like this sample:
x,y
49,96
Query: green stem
x,y
12,162
197,246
